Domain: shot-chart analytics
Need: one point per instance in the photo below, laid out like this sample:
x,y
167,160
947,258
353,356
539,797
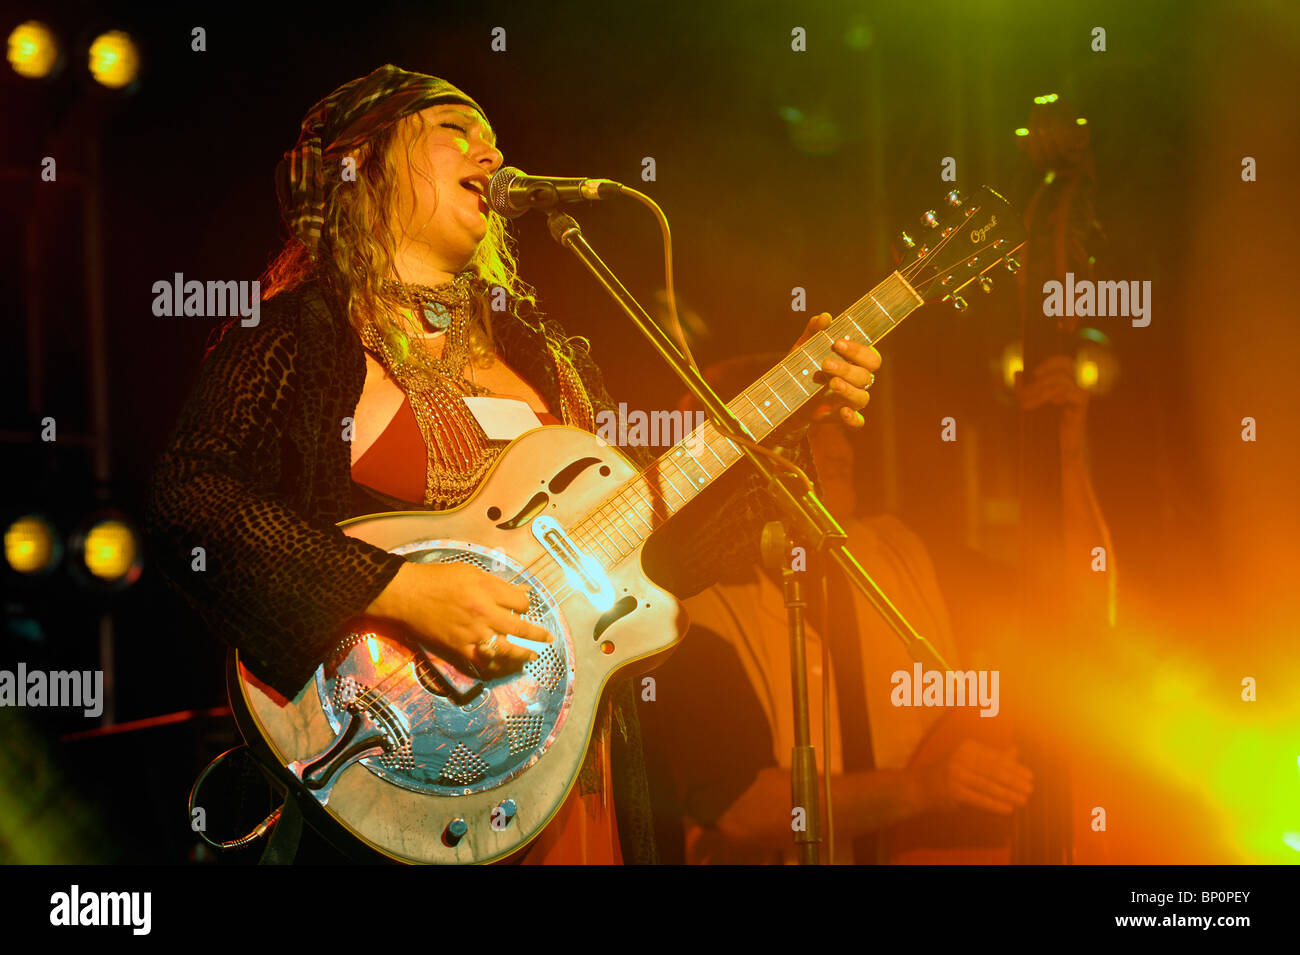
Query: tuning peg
x,y
960,303
953,199
1013,264
930,219
907,240
986,284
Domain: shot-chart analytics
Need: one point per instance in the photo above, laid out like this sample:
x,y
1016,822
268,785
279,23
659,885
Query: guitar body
x,y
399,747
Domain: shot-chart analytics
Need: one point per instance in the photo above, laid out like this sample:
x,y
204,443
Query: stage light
x,y
31,545
109,551
1012,363
1096,369
1086,373
114,60
33,50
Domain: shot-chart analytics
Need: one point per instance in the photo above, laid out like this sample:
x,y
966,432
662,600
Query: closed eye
x,y
455,126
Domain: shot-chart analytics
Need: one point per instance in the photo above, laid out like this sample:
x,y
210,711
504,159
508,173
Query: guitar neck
x,y
625,520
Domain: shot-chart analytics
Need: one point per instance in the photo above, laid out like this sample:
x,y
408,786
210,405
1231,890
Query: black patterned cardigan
x,y
258,475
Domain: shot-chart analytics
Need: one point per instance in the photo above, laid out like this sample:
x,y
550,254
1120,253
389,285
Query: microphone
x,y
511,193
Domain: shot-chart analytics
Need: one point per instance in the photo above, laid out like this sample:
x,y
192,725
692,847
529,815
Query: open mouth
x,y
477,186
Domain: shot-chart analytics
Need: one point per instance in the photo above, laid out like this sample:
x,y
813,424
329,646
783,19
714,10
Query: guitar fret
x,y
707,475
758,409
664,472
594,530
881,307
614,523
850,317
598,527
608,556
709,444
621,520
636,509
792,378
611,520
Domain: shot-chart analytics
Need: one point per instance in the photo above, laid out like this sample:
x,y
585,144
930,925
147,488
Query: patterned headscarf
x,y
340,123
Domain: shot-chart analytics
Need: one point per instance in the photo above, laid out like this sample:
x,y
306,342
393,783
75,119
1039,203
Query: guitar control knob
x,y
986,284
1013,264
504,813
455,830
960,303
931,219
953,199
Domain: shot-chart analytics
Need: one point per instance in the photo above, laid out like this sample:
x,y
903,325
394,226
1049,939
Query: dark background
x,y
777,169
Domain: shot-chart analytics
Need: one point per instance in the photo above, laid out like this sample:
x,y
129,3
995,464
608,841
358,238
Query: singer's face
x,y
440,208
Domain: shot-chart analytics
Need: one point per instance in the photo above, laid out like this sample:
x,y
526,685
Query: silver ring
x,y
488,647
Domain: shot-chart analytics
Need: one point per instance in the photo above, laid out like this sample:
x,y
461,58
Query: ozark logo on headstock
x,y
977,235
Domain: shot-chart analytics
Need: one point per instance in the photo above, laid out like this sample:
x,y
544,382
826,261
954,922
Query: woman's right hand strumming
x,y
457,609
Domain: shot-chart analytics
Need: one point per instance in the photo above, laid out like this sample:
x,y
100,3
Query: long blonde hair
x,y
357,248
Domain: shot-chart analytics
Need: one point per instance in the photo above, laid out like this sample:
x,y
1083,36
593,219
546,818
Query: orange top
x,y
584,831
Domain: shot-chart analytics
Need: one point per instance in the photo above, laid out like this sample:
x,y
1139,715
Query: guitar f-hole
x,y
622,607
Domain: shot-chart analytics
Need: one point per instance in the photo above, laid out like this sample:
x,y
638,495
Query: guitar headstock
x,y
958,243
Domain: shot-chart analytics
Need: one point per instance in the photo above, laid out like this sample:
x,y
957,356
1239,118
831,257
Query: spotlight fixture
x,y
114,59
1011,362
107,552
32,546
34,50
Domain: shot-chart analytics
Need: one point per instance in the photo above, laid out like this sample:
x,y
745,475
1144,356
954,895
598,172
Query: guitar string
x,y
560,593
637,483
638,486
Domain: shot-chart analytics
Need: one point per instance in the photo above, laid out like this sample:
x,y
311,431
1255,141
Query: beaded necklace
x,y
459,453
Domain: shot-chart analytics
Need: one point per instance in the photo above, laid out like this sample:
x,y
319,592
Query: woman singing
x,y
347,398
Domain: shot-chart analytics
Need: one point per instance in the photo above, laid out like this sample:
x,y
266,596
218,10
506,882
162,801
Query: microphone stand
x,y
808,518
776,550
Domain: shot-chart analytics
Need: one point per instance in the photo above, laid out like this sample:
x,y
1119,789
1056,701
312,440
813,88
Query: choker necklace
x,y
435,305
448,308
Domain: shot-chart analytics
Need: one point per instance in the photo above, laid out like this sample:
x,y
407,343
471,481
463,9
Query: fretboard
x,y
624,521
